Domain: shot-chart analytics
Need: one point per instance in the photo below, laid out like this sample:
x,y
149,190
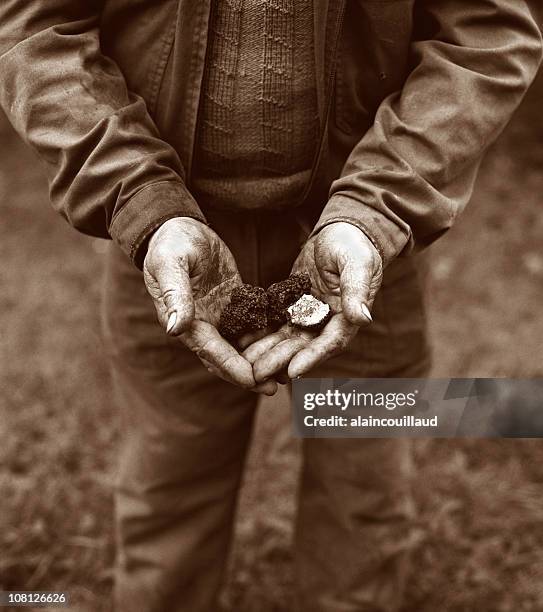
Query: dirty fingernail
x,y
171,322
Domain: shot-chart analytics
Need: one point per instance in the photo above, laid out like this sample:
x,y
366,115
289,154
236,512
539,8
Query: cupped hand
x,y
190,272
346,271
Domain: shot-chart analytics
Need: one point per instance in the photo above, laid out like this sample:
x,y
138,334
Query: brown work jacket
x,y
410,94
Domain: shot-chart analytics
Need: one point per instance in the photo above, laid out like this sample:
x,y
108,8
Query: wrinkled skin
x,y
190,272
346,271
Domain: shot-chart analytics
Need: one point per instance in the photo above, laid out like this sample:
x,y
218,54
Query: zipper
x,y
210,17
330,85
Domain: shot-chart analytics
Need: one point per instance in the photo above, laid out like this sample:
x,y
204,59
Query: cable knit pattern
x,y
258,124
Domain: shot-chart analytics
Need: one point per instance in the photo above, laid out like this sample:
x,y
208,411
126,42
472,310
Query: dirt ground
x,y
480,503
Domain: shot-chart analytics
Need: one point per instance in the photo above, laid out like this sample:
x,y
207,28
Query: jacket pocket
x,y
138,35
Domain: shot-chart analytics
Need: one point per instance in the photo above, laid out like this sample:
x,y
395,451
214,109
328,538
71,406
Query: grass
x,y
481,538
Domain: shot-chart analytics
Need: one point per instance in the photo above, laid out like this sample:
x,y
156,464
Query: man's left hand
x,y
346,271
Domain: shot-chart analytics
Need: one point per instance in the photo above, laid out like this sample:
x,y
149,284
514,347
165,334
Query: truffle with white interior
x,y
309,313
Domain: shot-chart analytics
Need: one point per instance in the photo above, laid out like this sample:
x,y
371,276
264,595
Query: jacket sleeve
x,y
110,173
413,172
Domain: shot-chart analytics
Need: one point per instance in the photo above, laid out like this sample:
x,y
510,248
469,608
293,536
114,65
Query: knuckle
x,y
207,351
228,362
169,295
160,253
167,253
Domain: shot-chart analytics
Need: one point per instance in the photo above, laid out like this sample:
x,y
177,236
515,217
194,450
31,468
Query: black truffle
x,y
246,312
283,294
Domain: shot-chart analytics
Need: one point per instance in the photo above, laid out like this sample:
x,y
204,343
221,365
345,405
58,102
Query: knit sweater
x,y
258,121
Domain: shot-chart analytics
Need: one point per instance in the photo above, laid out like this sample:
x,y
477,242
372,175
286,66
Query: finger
x,y
175,293
204,340
259,348
268,387
334,338
213,370
278,358
355,282
252,337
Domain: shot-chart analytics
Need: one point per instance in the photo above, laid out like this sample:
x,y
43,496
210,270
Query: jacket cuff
x,y
147,210
385,235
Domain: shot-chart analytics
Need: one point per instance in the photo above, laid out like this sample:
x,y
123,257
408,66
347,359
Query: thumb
x,y
175,297
356,291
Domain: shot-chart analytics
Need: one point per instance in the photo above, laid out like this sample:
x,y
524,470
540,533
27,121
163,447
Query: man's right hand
x,y
190,272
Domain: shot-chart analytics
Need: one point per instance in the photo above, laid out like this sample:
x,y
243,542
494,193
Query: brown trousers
x,y
185,435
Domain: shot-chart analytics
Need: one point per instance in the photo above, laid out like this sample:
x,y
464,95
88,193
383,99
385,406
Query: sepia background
x,y
480,544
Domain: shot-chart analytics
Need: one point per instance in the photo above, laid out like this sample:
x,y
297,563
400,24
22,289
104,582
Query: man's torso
x,y
361,53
